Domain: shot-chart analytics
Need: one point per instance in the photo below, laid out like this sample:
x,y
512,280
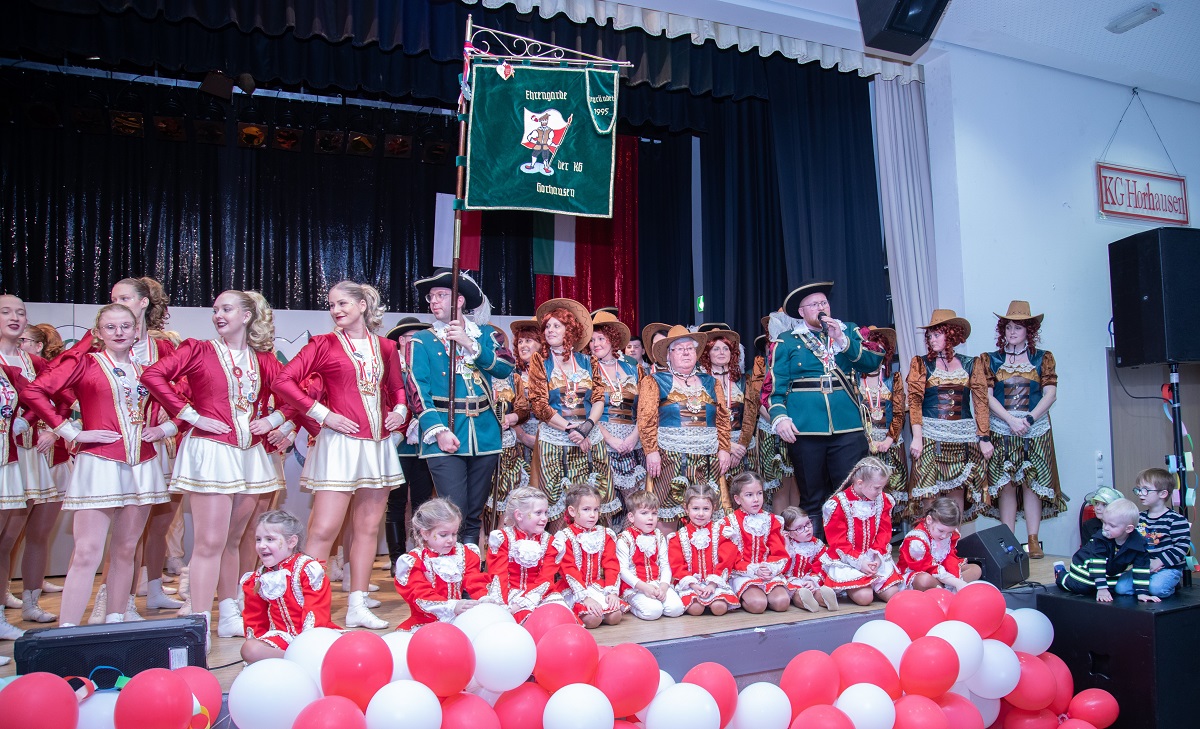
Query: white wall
x,y
1013,147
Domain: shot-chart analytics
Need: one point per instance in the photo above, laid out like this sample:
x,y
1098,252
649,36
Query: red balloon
x,y
545,617
358,664
566,654
718,681
628,676
810,679
523,707
915,611
624,724
1096,706
604,649
40,699
1022,719
331,712
979,605
467,711
1007,632
960,712
1076,724
929,667
942,596
860,663
920,712
1063,680
439,656
822,717
1005,707
1036,688
154,699
207,690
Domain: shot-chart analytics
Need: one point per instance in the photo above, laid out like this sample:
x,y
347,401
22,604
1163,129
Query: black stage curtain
x,y
666,293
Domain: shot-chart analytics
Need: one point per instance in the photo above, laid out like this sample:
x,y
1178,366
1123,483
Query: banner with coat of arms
x,y
541,139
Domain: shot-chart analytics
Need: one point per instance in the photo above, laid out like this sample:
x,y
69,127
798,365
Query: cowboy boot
x,y
1035,547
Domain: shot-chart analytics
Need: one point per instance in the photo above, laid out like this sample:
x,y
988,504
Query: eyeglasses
x,y
432,297
1143,490
799,528
816,305
114,328
25,340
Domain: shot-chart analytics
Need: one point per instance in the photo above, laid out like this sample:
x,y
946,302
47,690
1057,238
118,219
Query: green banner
x,y
541,139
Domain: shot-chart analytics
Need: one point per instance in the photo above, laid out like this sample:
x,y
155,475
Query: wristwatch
x,y
1029,419
985,439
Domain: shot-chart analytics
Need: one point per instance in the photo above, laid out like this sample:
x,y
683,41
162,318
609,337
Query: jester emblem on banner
x,y
544,134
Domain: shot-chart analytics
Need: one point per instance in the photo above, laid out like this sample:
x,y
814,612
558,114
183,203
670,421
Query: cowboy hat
x,y
525,325
406,325
760,343
442,279
791,304
724,332
1018,311
674,334
579,313
649,331
608,309
884,333
602,316
947,316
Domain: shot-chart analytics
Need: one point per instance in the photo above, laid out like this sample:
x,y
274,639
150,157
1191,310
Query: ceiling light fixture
x,y
1134,18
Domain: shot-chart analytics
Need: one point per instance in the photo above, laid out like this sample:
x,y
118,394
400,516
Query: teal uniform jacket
x,y
796,378
475,421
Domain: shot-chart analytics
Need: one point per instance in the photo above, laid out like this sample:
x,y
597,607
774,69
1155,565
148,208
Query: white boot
x,y
131,613
114,618
371,586
99,607
174,565
359,616
12,632
334,567
229,624
31,612
156,599
49,587
4,660
10,600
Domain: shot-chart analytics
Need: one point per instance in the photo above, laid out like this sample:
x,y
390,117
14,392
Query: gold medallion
x,y
616,398
876,413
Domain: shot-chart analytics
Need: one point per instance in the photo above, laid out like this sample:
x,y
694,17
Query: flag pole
x,y
459,199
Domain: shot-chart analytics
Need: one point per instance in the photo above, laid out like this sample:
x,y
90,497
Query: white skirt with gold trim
x,y
338,462
207,466
98,483
39,484
12,486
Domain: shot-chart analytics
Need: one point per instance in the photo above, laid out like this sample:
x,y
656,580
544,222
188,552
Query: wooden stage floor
x,y
226,661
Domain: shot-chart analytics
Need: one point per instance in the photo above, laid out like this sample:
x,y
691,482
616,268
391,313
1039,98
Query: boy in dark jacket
x,y
1117,548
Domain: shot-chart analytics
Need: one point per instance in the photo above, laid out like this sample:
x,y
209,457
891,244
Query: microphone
x,y
821,317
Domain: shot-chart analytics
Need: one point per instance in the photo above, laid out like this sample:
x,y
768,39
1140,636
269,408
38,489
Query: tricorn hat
x,y
674,334
405,326
603,316
791,304
1019,311
947,316
442,278
579,313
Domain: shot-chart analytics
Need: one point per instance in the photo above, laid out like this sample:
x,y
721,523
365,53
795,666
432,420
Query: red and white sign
x,y
1153,197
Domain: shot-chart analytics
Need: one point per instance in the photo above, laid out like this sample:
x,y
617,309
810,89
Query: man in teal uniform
x,y
417,481
461,461
811,408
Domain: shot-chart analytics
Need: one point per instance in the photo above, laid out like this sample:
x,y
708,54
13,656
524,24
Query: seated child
x,y
520,559
858,528
758,535
1168,535
587,560
273,615
700,558
1102,497
439,577
645,568
804,572
1118,547
929,554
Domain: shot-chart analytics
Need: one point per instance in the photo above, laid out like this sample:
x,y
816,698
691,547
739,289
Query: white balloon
x,y
889,638
998,673
965,641
397,643
1035,633
762,706
868,706
308,650
489,696
664,682
504,656
97,711
474,620
683,706
961,689
989,709
404,704
579,706
270,694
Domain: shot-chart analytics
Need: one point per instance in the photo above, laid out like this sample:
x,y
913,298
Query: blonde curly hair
x,y
373,316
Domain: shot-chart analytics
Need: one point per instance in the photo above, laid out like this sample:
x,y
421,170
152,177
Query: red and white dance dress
x,y
433,584
806,564
699,555
587,563
285,600
145,352
522,568
858,531
12,481
229,386
40,483
645,558
921,553
111,396
360,380
759,542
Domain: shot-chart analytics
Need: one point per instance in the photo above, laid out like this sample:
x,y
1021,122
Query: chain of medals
x,y
614,383
247,395
695,403
8,399
874,396
368,372
458,360
570,398
825,354
133,396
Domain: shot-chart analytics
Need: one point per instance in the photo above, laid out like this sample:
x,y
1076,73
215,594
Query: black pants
x,y
822,462
466,481
418,484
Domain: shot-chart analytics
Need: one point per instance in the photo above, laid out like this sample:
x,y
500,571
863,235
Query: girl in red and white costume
x,y
700,558
221,461
287,595
929,553
442,577
352,465
587,560
758,536
521,560
645,563
117,477
805,570
858,527
12,481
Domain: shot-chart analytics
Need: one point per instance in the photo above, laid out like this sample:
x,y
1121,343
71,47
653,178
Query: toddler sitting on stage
x,y
587,560
700,558
273,616
762,555
804,571
645,568
520,560
929,554
1167,533
858,527
439,577
1118,547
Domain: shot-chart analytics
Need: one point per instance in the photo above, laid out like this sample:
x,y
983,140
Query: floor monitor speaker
x,y
128,647
999,553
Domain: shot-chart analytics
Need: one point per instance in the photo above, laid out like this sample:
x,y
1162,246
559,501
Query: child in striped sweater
x,y
1168,534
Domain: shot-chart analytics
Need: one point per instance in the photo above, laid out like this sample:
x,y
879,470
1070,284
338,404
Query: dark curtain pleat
x,y
506,258
665,230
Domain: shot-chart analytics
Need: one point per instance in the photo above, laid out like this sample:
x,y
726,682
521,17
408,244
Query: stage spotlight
x,y
329,139
90,115
41,111
209,124
288,136
169,121
252,129
217,84
398,146
361,143
126,115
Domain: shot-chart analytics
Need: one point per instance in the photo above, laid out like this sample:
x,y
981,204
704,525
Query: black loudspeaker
x,y
899,26
1156,311
999,553
128,647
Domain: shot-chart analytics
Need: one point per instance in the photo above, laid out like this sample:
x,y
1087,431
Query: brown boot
x,y
1035,547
